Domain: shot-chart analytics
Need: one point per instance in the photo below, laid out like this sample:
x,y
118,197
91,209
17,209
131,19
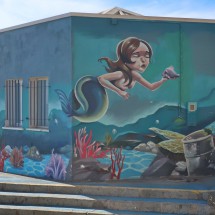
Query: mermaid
x,y
88,102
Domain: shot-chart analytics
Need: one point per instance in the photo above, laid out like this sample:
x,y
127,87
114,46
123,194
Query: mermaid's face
x,y
140,58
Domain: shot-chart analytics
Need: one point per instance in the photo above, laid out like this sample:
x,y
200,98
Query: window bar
x,y
31,102
20,105
7,103
38,102
42,103
46,102
17,103
11,104
34,106
14,103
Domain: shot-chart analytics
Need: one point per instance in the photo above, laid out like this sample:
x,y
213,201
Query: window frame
x,y
34,111
11,103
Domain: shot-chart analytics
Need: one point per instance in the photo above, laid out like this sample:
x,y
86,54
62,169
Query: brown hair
x,y
124,51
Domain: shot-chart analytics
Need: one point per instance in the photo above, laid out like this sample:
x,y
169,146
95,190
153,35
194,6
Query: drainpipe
x,y
181,73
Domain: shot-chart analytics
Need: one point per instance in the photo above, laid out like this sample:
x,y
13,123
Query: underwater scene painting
x,y
150,152
108,144
131,116
116,154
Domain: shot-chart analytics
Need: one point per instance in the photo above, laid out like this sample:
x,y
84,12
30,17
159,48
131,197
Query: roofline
x,y
95,15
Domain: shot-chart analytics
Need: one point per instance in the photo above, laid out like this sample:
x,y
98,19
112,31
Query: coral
x,y
3,156
56,168
84,148
16,157
116,159
2,159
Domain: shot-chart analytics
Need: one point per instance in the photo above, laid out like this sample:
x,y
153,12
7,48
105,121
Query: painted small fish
x,y
170,73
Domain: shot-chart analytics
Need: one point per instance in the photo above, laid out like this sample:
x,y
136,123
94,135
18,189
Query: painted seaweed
x,y
56,168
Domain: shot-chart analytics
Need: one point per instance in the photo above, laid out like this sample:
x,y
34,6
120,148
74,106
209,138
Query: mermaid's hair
x,y
124,50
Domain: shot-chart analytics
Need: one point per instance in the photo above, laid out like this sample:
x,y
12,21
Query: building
x,y
64,117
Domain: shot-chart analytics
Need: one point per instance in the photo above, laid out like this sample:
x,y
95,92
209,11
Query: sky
x,y
15,12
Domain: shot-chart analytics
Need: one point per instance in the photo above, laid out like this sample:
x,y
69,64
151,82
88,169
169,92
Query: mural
x,y
41,155
140,112
39,152
89,102
131,155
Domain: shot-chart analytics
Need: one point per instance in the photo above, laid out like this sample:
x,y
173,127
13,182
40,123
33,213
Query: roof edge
x,y
94,15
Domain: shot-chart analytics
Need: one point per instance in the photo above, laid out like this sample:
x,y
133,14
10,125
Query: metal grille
x,y
38,102
13,90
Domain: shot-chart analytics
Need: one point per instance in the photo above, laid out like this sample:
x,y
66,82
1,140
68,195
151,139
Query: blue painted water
x,y
135,164
31,167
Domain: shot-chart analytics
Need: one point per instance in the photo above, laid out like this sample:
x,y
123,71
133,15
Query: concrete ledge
x,y
177,206
32,210
105,190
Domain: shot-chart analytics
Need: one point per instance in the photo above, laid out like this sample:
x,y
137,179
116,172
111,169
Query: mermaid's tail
x,y
65,103
87,103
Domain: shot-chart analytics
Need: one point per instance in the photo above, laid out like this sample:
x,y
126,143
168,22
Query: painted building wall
x,y
42,50
95,133
150,134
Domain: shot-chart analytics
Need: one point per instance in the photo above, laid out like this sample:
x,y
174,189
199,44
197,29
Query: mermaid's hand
x,y
169,73
123,94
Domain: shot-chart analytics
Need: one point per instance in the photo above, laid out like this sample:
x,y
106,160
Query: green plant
x,y
108,139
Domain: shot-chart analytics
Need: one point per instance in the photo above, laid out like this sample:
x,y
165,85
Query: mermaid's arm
x,y
145,83
105,81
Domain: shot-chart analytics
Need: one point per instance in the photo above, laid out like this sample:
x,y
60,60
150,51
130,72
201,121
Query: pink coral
x,y
84,148
16,157
3,156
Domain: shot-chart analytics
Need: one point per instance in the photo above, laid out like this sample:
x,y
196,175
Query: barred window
x,y
13,102
38,99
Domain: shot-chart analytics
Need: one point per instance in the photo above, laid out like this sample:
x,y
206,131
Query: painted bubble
x,y
114,131
157,121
